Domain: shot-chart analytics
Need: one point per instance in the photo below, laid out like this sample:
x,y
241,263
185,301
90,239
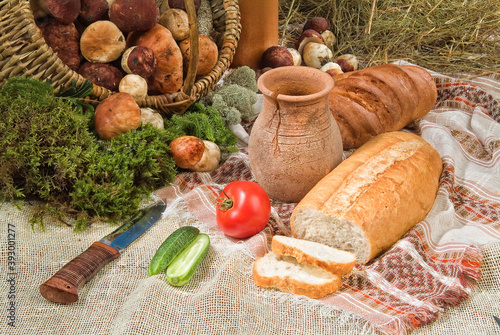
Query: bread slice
x,y
370,200
288,275
333,260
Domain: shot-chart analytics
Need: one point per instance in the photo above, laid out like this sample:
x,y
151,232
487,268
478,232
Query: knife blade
x,y
63,286
497,320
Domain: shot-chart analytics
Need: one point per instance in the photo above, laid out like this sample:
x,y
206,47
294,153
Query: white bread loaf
x,y
380,99
288,275
333,260
302,267
373,197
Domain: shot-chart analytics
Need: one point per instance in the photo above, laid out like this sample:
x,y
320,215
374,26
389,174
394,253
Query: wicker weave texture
x,y
23,52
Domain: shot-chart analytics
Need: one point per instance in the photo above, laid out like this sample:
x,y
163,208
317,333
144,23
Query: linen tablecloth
x,y
442,277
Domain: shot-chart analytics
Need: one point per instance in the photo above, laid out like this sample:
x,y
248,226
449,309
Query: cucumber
x,y
171,248
180,271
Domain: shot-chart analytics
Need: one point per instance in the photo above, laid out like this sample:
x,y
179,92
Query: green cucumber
x,y
180,271
171,248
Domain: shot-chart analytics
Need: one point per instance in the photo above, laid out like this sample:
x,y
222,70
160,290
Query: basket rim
x,y
172,103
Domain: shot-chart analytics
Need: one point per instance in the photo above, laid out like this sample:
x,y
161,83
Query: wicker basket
x,y
23,52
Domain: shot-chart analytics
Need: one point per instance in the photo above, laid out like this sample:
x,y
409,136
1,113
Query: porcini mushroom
x,y
92,11
348,62
64,11
134,85
149,116
139,60
177,21
207,56
332,69
306,37
276,56
317,23
105,75
316,55
296,56
192,153
102,42
116,115
134,15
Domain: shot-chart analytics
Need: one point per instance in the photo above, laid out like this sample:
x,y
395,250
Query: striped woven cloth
x,y
437,263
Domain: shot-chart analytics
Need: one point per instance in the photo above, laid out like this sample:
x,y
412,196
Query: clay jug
x,y
295,140
259,30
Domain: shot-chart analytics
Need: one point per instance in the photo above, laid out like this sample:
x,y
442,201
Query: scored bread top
x,y
333,260
382,190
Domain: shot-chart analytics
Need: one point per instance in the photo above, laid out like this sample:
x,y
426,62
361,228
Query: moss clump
x,y
236,97
48,152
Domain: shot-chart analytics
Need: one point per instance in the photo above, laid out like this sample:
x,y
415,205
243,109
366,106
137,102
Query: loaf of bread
x,y
373,197
302,267
380,99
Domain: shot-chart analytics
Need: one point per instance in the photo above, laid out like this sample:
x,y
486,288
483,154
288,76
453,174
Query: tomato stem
x,y
225,203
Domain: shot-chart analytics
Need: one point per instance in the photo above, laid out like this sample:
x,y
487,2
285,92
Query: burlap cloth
x,y
431,282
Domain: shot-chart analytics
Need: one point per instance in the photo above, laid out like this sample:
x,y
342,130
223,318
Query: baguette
x,y
380,99
373,197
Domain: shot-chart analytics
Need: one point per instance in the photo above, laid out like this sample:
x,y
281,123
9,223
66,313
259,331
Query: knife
x,y
497,320
63,286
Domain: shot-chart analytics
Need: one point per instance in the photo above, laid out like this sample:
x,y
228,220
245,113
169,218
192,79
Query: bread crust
x,y
396,94
290,285
385,187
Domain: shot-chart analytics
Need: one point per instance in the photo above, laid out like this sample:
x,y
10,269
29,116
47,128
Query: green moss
x,y
48,152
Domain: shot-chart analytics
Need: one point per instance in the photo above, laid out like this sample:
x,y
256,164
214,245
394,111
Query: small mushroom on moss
x,y
139,60
134,85
348,62
134,15
102,42
276,56
150,116
116,115
177,21
105,75
208,54
192,153
316,55
64,11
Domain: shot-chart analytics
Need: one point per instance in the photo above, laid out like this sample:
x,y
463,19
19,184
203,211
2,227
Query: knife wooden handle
x,y
64,285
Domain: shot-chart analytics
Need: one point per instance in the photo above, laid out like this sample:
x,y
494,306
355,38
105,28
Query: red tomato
x,y
243,209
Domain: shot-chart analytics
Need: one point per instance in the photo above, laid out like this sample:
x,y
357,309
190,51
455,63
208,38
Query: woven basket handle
x,y
194,53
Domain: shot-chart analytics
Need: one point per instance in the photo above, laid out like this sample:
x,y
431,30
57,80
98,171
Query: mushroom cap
x,y
177,21
348,62
101,74
316,55
117,114
187,151
208,54
276,56
134,85
134,15
92,11
317,23
307,36
102,42
139,60
65,11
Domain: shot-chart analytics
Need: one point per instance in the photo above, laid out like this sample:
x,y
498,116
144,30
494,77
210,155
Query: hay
x,y
449,36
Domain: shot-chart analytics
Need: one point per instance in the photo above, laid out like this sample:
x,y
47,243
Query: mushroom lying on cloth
x,y
194,154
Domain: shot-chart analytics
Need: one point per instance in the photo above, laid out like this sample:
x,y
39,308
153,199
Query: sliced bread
x,y
333,260
287,275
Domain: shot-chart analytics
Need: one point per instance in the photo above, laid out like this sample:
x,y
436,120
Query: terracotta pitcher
x,y
295,140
